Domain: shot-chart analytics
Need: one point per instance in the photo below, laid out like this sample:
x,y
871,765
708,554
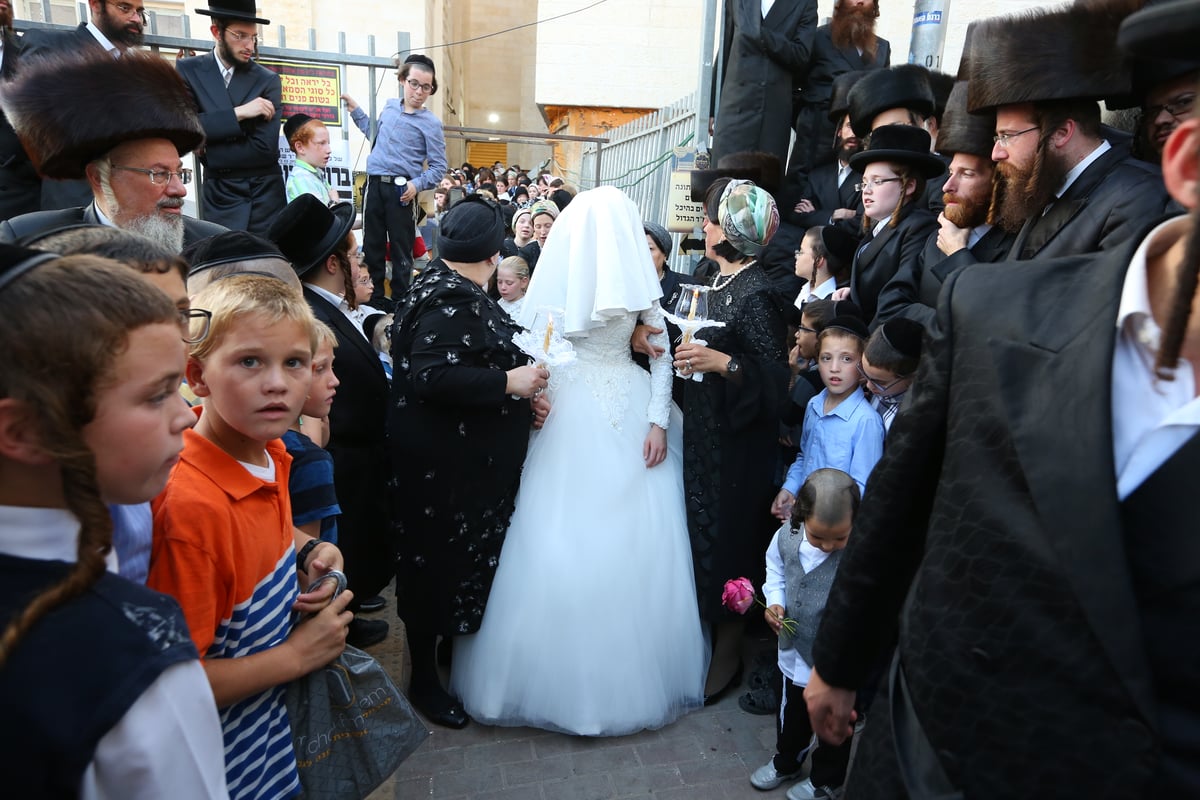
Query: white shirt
x,y
226,72
977,233
791,663
1152,418
843,172
169,742
338,302
1078,169
766,7
820,293
111,48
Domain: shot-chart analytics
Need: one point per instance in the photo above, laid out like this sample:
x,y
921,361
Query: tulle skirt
x,y
591,627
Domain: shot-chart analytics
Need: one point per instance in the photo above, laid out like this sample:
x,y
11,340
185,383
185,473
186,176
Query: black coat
x,y
20,186
41,221
913,290
358,445
243,186
823,192
814,131
760,58
890,251
991,530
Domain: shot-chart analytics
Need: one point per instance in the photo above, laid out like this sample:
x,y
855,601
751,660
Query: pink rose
x,y
738,595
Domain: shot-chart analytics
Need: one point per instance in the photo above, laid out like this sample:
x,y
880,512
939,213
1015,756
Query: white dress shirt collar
x,y
103,40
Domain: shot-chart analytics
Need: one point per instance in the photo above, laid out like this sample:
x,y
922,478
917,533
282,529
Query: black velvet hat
x,y
68,109
904,335
308,231
227,248
295,123
883,89
850,324
839,97
963,132
901,144
838,243
471,231
1163,30
240,10
16,261
846,308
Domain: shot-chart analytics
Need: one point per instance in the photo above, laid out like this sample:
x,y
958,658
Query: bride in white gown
x,y
591,627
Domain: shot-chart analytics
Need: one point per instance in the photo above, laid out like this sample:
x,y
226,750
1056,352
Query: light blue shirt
x,y
849,438
405,143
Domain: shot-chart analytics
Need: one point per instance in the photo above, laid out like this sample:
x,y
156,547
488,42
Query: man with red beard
x,y
241,106
846,44
113,27
965,235
1064,188
20,186
140,125
1027,546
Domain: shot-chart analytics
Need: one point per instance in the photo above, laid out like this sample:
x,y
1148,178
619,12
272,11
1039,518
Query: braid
x,y
1181,304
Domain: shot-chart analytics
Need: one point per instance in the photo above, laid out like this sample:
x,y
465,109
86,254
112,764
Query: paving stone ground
x,y
707,755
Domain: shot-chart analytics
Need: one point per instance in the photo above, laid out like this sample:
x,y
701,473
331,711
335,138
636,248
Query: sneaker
x,y
804,790
766,777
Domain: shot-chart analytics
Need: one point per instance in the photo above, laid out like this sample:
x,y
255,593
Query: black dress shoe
x,y
365,632
440,709
371,605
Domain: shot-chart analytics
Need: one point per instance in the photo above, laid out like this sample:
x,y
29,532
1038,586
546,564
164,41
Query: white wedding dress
x,y
591,627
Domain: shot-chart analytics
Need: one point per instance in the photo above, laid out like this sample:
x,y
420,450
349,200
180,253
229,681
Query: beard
x,y
165,230
855,26
1022,193
965,212
6,18
847,147
229,57
126,34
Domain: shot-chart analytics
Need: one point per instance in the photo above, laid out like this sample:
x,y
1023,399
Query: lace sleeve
x,y
661,373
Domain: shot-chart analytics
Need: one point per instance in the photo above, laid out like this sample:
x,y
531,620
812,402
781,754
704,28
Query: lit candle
x,y
692,310
549,333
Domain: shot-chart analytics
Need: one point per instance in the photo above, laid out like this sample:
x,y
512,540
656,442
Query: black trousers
x,y
795,738
386,219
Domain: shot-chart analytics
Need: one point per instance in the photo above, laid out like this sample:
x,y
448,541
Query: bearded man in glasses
x,y
141,123
240,106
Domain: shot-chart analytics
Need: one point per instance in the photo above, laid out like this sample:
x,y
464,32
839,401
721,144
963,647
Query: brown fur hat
x,y
961,132
69,109
882,89
839,97
1068,53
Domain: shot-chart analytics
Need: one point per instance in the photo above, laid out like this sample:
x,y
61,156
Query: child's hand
x,y
320,639
781,509
794,359
774,617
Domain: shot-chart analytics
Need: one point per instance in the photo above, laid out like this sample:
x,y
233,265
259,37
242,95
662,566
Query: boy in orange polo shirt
x,y
224,544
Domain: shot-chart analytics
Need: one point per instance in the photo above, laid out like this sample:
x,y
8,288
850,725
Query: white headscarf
x,y
595,265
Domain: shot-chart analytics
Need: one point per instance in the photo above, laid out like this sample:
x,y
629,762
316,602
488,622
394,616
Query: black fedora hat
x,y
308,231
903,144
241,10
1162,30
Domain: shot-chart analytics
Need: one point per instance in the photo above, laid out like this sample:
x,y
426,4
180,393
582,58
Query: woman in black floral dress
x,y
458,426
731,418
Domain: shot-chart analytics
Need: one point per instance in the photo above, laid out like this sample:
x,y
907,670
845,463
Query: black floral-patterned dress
x,y
458,443
730,437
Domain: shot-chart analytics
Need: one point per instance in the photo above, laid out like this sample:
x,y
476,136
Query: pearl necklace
x,y
718,286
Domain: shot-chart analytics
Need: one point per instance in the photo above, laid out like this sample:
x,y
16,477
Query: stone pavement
x,y
707,755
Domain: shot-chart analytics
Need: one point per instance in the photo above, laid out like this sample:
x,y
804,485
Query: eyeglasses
x,y
416,85
876,386
1004,139
238,36
365,280
127,9
196,322
1177,108
159,177
807,329
873,184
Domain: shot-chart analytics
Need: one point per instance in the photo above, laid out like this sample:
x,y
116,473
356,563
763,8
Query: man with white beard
x,y
141,121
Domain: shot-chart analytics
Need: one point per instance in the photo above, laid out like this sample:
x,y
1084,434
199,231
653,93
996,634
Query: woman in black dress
x,y
731,418
458,427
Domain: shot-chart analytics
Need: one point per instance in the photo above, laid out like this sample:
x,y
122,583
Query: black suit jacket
x,y
1110,202
991,529
826,196
20,186
60,194
358,445
41,221
890,251
760,58
913,290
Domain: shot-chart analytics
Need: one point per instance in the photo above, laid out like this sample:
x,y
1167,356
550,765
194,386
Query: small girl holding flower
x,y
802,561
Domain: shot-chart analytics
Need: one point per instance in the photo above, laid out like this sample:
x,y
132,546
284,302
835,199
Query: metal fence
x,y
637,160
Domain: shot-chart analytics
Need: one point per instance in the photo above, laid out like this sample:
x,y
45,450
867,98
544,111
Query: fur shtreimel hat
x,y
1065,54
963,132
69,110
238,10
839,96
883,89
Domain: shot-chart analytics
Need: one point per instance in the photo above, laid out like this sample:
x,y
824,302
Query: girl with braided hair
x,y
103,692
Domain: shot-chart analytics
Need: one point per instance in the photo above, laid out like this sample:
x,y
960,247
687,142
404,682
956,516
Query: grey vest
x,y
806,593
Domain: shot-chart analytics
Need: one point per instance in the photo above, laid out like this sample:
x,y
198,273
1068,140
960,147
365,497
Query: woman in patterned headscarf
x,y
731,417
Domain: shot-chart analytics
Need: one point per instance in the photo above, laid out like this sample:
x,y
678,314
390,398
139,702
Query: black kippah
x,y
226,248
904,335
849,324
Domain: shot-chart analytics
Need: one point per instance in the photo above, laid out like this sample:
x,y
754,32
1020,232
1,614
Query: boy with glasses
x,y
889,362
